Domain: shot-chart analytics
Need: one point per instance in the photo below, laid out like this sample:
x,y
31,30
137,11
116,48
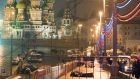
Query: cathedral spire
x,y
67,12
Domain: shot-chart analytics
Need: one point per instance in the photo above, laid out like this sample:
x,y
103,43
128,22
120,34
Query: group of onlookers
x,y
136,68
134,63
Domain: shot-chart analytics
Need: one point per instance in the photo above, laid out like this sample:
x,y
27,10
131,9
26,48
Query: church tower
x,y
45,12
67,22
21,6
51,12
35,12
10,11
9,17
48,18
19,23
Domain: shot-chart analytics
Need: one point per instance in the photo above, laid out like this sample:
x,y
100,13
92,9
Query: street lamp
x,y
91,37
51,34
11,57
114,63
104,12
100,14
78,33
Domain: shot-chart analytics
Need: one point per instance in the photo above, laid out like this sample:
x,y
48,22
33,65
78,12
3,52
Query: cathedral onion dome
x,y
21,5
45,6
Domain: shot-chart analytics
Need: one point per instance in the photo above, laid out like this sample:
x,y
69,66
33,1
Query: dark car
x,y
75,74
27,69
35,54
87,75
80,74
34,60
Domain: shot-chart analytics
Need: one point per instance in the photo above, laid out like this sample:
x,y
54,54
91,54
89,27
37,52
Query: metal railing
x,y
99,67
83,67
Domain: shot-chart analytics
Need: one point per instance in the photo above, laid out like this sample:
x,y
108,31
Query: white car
x,y
35,54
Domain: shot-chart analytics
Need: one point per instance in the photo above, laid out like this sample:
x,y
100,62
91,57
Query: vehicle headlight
x,y
125,67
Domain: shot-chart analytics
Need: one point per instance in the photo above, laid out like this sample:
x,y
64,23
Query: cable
x,y
126,20
122,6
132,12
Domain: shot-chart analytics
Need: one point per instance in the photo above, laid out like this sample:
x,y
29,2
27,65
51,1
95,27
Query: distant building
x,y
66,29
128,36
29,19
131,36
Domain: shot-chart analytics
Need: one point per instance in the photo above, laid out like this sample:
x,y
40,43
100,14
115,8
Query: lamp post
x,y
11,53
114,70
92,37
11,42
78,33
11,34
99,28
51,34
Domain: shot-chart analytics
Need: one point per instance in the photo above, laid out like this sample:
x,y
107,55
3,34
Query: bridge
x,y
50,43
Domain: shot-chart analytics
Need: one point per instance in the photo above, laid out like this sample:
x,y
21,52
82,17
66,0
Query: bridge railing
x,y
88,67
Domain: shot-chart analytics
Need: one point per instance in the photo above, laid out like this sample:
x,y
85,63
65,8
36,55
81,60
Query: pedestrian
x,y
138,72
137,69
28,72
134,67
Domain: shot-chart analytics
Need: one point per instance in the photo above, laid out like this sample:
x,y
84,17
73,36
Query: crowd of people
x,y
136,68
133,63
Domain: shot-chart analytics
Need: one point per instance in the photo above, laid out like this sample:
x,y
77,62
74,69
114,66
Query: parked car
x,y
80,74
35,54
34,60
75,74
27,69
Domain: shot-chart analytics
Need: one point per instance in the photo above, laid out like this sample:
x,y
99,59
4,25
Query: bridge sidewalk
x,y
99,73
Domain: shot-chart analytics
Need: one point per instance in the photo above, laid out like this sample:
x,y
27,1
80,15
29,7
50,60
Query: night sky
x,y
2,3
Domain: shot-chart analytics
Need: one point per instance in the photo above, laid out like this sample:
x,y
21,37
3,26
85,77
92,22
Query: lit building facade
x,y
66,29
29,19
128,36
